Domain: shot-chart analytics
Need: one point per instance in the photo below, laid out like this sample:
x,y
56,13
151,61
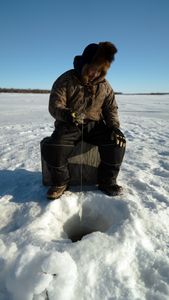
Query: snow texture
x,y
125,252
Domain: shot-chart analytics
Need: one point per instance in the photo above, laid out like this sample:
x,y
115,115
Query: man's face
x,y
93,73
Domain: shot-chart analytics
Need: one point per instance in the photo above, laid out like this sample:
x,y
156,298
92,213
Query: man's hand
x,y
78,118
118,137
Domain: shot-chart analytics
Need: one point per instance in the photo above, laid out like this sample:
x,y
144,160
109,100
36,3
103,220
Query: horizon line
x,y
46,91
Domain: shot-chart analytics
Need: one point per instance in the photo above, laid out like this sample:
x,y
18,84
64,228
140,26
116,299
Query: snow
x,y
125,255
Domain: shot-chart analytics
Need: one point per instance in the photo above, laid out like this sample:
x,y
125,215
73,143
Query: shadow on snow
x,y
22,185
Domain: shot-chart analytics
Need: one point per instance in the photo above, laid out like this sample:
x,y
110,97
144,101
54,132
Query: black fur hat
x,y
96,54
88,53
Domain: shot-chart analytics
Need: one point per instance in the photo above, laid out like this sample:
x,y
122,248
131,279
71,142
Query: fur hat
x,y
97,55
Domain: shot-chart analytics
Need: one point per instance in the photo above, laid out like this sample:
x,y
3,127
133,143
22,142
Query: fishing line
x,y
81,174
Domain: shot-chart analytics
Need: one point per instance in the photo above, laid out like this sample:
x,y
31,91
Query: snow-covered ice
x,y
125,255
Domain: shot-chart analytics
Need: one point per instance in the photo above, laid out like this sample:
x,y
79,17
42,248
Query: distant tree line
x,y
24,91
156,93
30,91
40,91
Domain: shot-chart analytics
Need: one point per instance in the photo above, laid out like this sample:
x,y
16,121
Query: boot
x,y
111,189
55,192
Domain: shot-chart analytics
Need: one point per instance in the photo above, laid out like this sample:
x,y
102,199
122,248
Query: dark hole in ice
x,y
96,217
77,236
76,228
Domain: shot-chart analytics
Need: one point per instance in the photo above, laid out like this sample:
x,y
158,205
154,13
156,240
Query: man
x,y
82,99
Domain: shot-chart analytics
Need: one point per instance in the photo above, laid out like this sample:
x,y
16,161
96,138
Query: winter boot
x,y
55,192
111,189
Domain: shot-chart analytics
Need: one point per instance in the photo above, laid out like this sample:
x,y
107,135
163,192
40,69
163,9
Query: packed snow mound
x,y
36,274
85,245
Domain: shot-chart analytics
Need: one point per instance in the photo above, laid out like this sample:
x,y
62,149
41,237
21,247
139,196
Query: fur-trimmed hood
x,y
99,56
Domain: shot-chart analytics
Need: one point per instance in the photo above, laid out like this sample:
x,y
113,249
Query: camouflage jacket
x,y
97,101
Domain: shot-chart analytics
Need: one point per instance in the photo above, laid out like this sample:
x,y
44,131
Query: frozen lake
x,y
126,257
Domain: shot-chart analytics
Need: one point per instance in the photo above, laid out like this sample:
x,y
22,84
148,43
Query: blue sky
x,y
39,39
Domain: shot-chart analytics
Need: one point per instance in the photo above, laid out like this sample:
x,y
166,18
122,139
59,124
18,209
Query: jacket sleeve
x,y
110,110
58,100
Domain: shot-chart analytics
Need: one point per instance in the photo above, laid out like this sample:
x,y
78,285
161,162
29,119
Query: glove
x,y
118,137
78,118
66,115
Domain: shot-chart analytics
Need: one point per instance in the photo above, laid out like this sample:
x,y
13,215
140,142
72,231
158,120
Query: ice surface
x,y
124,254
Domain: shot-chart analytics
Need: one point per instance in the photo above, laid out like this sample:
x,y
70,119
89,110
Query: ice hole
x,y
94,217
76,227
